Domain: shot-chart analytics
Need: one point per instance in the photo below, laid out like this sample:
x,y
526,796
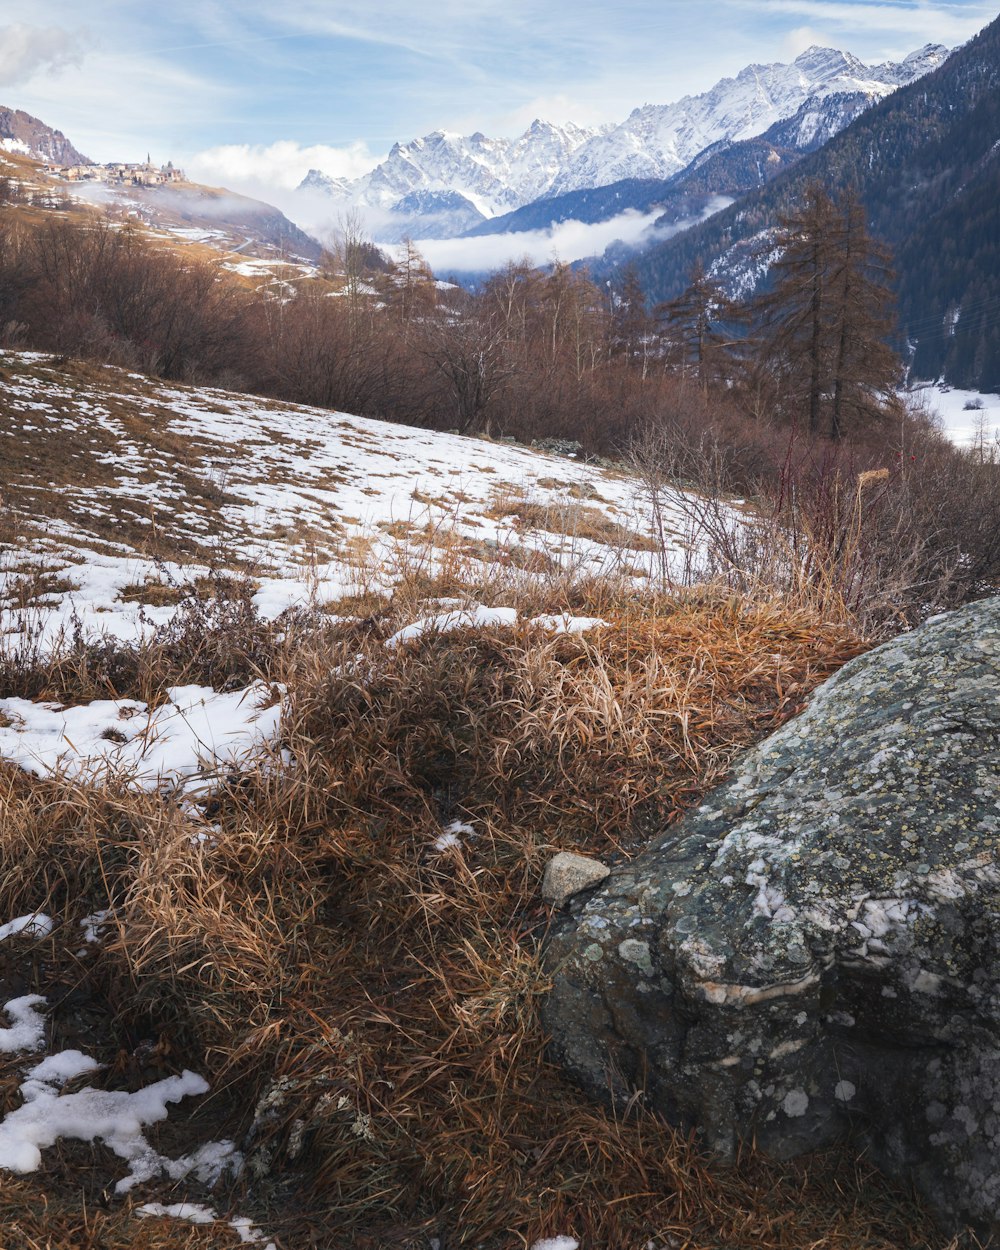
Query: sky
x,y
253,90
250,95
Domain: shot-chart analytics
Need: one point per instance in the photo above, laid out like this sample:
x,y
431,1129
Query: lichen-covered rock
x,y
818,945
568,874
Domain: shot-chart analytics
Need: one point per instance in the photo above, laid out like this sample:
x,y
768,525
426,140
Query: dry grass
x,y
214,638
33,1218
574,520
372,997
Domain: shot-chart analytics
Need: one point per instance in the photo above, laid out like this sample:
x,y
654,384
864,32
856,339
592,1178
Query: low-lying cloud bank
x,y
567,241
283,164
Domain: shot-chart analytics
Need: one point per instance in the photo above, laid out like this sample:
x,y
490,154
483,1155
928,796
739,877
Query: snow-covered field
x,y
967,418
121,492
119,487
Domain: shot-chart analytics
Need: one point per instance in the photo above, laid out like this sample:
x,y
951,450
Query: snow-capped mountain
x,y
464,179
426,187
656,141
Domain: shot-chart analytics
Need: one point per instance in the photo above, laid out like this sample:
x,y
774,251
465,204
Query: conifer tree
x,y
827,316
702,319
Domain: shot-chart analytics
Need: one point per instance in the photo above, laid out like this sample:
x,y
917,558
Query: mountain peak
x,y
499,175
819,61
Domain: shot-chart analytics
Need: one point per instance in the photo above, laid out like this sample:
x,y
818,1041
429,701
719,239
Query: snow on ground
x,y
37,924
196,1213
118,482
188,739
118,1118
28,1030
115,1116
117,493
479,617
196,734
967,418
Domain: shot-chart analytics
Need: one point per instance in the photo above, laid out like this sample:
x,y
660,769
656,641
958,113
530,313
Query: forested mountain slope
x,y
925,162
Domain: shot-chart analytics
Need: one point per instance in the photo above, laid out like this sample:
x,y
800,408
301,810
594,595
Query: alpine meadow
x,y
500,629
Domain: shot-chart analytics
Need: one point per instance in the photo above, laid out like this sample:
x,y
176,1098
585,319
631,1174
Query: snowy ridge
x,y
495,175
656,141
489,176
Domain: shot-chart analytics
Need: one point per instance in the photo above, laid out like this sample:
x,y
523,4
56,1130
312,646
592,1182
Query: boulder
x,y
816,949
568,874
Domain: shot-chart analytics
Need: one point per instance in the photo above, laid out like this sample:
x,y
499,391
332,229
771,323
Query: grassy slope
x,y
371,993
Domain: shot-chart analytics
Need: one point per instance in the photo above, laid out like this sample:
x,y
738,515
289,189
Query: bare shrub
x,y
881,536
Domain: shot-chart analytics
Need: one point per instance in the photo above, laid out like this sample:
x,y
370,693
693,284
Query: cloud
x,y
568,241
556,107
223,87
802,37
27,50
282,164
912,21
119,106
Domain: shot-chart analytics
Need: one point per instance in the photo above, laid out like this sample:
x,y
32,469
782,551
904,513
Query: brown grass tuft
x,y
370,994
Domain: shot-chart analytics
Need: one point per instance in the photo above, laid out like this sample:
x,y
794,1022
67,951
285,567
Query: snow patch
x,y
28,1030
116,1117
479,617
186,740
37,924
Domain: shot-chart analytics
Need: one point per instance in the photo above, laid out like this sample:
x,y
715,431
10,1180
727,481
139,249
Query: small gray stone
x,y
567,874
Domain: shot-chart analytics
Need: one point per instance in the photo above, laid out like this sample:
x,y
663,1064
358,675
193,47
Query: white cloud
x,y
26,50
912,21
278,165
88,103
557,108
568,241
802,37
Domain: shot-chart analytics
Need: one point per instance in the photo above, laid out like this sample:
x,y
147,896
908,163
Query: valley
x,y
479,614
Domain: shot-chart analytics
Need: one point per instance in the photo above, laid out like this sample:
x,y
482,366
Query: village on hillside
x,y
118,173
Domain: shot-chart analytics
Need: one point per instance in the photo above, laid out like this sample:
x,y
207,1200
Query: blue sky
x,y
257,91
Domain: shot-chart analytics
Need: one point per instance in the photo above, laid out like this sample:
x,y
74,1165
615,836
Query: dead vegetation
x,y
215,638
363,991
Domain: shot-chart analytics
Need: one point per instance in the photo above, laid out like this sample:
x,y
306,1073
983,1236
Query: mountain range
x,y
919,139
926,165
445,184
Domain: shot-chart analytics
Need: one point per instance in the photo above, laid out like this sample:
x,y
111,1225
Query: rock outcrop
x,y
20,132
817,947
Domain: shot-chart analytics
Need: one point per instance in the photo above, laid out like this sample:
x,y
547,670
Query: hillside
x,y
295,709
242,229
925,163
116,482
28,136
222,219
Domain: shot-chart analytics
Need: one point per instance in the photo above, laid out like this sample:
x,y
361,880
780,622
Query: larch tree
x,y
701,323
826,318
